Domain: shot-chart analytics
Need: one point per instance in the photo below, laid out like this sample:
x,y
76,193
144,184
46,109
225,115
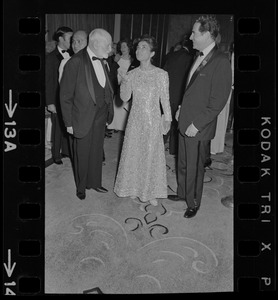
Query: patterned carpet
x,y
112,245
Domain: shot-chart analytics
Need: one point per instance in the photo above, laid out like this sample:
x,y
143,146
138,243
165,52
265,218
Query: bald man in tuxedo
x,y
86,97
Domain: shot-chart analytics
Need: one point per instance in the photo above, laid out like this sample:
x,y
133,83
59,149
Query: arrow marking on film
x,y
9,268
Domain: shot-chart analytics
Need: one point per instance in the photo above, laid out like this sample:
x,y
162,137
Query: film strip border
x,y
254,152
23,155
254,148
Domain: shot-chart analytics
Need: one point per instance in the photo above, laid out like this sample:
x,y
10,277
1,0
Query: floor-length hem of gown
x,y
142,199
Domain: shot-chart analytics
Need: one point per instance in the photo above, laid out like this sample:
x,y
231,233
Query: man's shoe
x,y
101,190
208,163
190,212
81,195
197,207
57,161
175,198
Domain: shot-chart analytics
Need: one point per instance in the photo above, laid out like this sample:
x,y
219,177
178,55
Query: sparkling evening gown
x,y
142,167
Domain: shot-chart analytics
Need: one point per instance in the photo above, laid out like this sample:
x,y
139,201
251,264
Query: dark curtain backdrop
x,y
134,25
86,22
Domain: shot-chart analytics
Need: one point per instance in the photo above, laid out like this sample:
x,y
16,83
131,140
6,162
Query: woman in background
x,y
121,109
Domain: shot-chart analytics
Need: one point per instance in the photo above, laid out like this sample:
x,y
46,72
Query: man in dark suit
x,y
177,65
59,137
207,91
86,97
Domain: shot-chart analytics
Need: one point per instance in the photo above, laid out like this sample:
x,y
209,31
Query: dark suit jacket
x,y
77,95
177,65
206,95
52,63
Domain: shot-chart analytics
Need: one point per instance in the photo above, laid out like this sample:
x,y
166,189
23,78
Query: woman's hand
x,y
117,57
123,76
167,126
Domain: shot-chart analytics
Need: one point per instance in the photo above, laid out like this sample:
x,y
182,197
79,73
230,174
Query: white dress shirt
x,y
98,68
65,54
199,60
61,67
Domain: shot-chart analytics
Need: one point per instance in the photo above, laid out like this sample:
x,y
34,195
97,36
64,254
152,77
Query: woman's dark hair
x,y
60,32
128,43
209,23
150,40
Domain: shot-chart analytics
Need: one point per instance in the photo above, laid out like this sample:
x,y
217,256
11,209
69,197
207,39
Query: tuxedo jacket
x,y
52,63
205,95
77,94
177,65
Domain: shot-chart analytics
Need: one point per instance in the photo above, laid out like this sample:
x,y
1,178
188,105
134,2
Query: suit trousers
x,y
192,156
60,139
88,153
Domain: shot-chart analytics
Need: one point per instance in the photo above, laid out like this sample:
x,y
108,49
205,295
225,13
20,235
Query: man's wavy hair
x,y
60,32
209,23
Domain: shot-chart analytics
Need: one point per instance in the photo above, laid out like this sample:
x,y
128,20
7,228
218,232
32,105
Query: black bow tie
x,y
101,59
96,58
201,54
63,51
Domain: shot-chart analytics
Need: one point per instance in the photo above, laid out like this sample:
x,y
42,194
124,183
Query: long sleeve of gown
x,y
126,88
164,96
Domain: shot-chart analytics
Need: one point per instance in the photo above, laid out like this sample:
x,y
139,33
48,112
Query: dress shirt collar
x,y
60,49
65,55
208,49
90,52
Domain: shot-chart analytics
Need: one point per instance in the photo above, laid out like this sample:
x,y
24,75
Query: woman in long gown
x,y
142,167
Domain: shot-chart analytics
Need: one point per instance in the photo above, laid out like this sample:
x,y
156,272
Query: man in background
x,y
79,40
60,144
177,65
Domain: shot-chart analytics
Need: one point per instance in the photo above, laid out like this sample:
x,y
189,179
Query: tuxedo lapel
x,y
88,73
58,54
207,60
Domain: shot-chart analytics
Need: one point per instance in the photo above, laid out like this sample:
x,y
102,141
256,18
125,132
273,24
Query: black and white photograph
x,y
139,148
139,153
